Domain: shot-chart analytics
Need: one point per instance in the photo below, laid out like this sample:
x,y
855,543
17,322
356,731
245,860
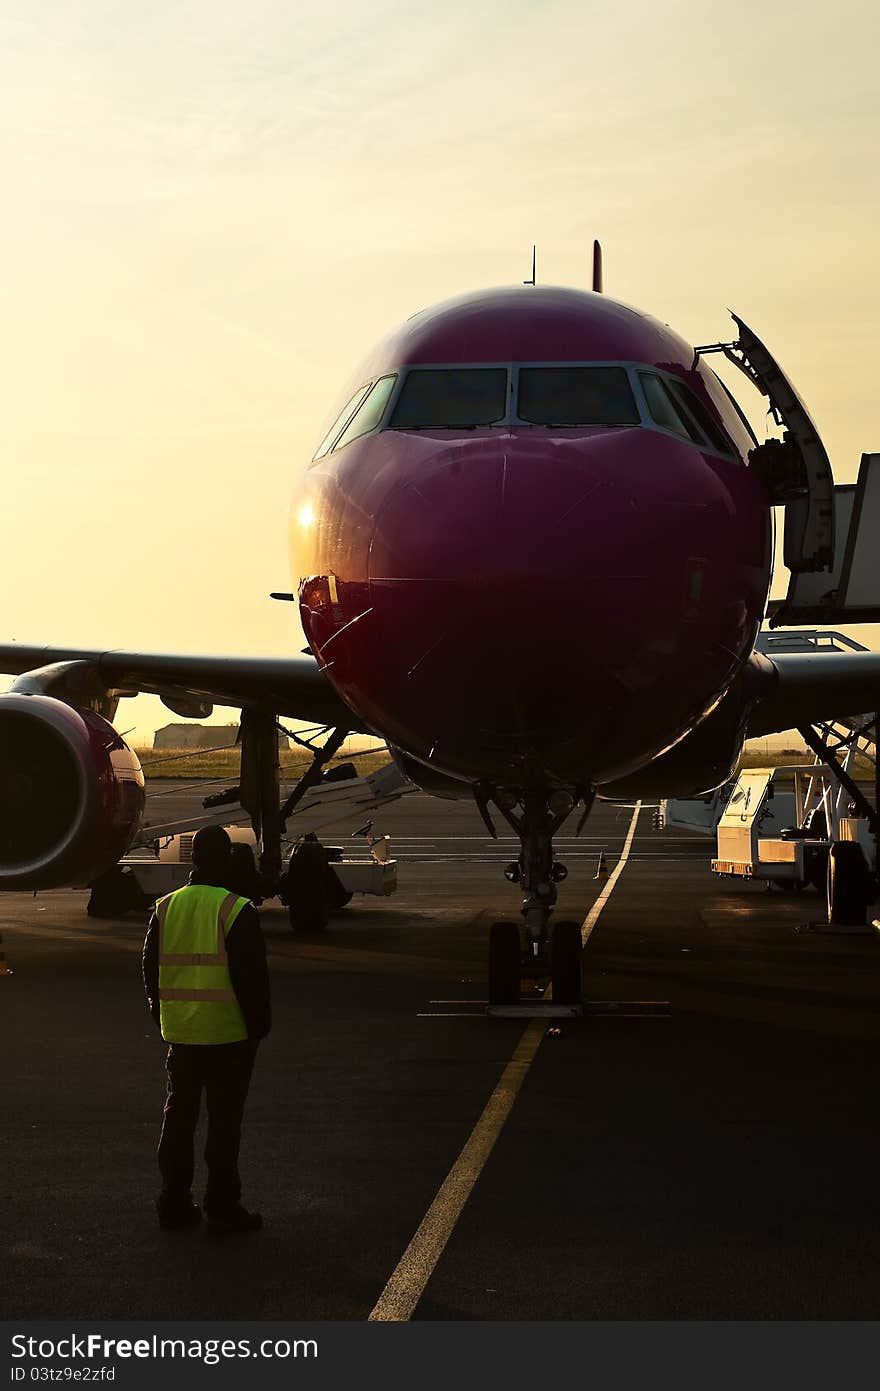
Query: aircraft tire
x,y
504,963
566,963
306,887
849,884
336,895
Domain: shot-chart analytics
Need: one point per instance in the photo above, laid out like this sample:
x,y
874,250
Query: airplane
x,y
532,553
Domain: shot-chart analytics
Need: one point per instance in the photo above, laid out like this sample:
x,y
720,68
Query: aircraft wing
x,y
809,688
805,687
291,686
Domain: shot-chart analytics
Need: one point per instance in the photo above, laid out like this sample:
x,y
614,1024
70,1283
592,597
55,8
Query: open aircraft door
x,y
831,532
796,469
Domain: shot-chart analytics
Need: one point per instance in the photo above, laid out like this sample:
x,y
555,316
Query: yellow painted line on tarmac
x,y
419,1261
416,1266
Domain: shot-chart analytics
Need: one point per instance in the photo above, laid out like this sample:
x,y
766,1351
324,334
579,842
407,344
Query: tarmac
x,y
709,1152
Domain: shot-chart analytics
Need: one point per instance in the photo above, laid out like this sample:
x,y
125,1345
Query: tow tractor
x,y
319,878
799,799
804,824
823,832
167,865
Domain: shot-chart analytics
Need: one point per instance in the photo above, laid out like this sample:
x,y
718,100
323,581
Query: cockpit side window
x,y
340,422
576,396
664,409
450,398
368,414
713,432
674,407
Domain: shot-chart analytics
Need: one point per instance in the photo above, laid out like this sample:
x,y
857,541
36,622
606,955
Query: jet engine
x,y
707,756
429,779
71,793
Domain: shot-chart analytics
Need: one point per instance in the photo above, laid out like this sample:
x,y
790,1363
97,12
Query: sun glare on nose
x,y
306,515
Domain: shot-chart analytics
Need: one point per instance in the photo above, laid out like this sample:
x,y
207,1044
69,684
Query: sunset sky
x,y
211,211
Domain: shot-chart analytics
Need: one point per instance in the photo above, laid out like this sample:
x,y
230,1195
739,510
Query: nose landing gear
x,y
539,818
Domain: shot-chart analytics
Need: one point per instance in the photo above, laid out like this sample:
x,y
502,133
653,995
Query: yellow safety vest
x,y
197,1003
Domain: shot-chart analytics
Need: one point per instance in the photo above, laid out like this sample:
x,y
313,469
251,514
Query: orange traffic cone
x,y
4,969
602,867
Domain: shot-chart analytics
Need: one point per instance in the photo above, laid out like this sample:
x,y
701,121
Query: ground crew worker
x,y
207,987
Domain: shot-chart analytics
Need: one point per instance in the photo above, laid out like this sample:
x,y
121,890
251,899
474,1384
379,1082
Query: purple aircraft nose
x,y
528,588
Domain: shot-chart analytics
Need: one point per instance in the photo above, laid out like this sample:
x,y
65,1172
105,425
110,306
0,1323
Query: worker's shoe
x,y
174,1217
236,1219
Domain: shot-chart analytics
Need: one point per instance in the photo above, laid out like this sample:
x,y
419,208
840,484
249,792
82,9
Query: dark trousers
x,y
224,1071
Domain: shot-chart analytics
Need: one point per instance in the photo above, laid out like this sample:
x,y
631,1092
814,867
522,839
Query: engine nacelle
x,y
707,756
71,793
429,779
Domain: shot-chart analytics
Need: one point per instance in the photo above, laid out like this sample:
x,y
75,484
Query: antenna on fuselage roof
x,y
532,281
597,268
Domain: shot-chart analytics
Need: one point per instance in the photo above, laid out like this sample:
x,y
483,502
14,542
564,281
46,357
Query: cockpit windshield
x,y
556,395
576,396
451,398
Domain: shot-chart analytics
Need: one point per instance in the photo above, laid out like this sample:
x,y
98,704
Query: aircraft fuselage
x,y
541,601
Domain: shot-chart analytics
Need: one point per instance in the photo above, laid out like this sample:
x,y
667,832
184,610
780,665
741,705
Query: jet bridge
x,y
849,591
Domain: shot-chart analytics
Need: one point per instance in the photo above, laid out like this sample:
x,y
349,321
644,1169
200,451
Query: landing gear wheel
x,y
566,958
336,895
305,884
504,963
849,884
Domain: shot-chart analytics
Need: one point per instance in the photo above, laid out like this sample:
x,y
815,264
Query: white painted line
x,y
415,859
440,1014
592,917
418,1262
